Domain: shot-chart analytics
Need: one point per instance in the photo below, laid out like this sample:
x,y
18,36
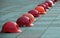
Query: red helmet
x,y
24,21
50,3
43,5
34,13
10,27
31,17
54,1
40,9
47,7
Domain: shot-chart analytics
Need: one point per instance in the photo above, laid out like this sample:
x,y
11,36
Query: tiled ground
x,y
47,26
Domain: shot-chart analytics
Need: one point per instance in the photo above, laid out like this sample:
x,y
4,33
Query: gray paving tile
x,y
55,23
52,32
33,32
8,35
8,4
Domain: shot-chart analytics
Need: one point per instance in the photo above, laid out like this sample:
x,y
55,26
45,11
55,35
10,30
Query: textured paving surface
x,y
47,26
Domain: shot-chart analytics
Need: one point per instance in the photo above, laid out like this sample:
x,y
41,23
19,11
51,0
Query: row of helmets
x,y
27,19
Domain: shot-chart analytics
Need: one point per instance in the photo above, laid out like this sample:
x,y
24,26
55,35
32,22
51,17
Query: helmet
x,y
40,9
43,5
31,17
47,7
50,3
54,1
34,13
10,27
24,21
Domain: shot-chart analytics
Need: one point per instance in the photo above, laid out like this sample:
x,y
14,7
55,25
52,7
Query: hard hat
x,y
43,5
31,17
24,21
40,9
34,13
50,3
54,1
10,27
47,7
